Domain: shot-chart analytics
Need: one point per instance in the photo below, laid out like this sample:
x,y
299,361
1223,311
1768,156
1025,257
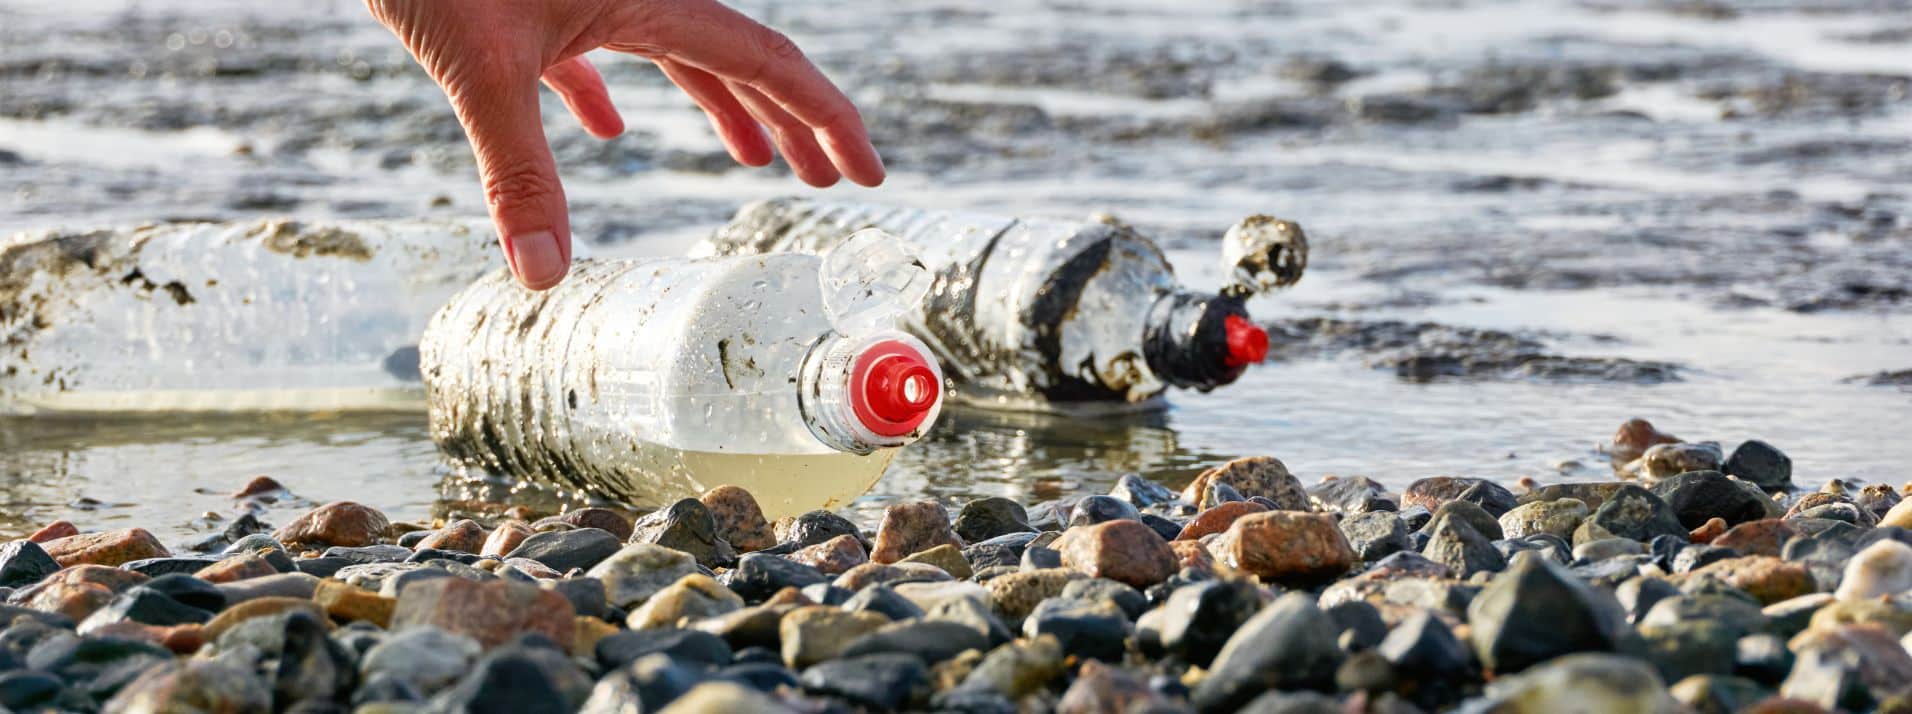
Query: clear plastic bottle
x,y
1049,315
651,380
266,315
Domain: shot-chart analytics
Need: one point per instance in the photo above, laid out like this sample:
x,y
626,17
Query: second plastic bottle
x,y
651,380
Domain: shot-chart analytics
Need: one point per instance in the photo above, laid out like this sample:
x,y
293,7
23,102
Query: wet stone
x,y
1288,645
1556,517
504,538
1738,612
884,682
946,557
819,633
1591,493
425,658
1003,550
1478,518
687,646
639,570
1698,496
1104,688
1767,579
1016,594
1762,537
693,597
517,679
868,574
1217,519
834,556
1535,611
1762,658
1430,493
992,517
1428,659
24,562
740,520
1631,512
1760,463
759,576
1130,600
210,685
144,605
686,525
1285,547
1263,476
1634,438
104,548
815,527
564,551
1350,495
490,612
369,554
463,535
883,600
1689,649
1465,551
909,528
1129,488
1695,557
1121,550
1214,494
1667,460
1198,619
1715,694
1088,630
312,665
1590,682
341,523
1606,548
1093,510
54,531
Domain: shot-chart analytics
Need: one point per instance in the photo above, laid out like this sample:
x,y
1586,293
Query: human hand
x,y
489,55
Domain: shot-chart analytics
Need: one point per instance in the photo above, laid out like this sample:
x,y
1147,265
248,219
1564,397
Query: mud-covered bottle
x,y
1046,314
270,315
655,379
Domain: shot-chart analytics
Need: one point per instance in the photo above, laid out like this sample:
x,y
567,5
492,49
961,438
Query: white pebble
x,y
1883,568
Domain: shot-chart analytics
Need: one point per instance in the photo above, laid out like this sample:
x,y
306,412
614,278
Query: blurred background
x,y
1530,220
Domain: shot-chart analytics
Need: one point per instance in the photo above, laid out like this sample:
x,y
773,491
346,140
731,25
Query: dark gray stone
x,y
1453,542
884,601
885,682
1140,492
686,525
1697,496
190,591
1198,619
758,576
311,665
1288,645
688,646
564,551
1087,630
1535,611
931,641
1375,535
1101,509
1762,464
24,562
1634,512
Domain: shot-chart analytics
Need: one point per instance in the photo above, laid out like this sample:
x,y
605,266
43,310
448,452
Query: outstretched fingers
x,y
582,89
734,125
499,111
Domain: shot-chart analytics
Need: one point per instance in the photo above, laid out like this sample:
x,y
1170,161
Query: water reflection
x,y
1033,457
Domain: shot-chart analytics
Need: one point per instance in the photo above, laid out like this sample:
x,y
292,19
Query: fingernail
x,y
537,259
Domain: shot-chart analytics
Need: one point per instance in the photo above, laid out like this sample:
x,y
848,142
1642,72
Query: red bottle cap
x,y
1247,343
892,388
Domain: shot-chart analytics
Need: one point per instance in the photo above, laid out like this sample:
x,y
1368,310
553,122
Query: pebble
x,y
564,551
992,517
1766,536
1667,460
491,612
464,535
505,538
1289,645
723,697
817,633
1882,569
1453,542
913,527
341,523
54,531
1122,550
1634,438
1761,464
740,521
425,658
1586,682
687,525
1263,476
1349,495
24,562
883,682
1130,488
1699,496
1899,516
834,556
1218,519
1766,578
1535,611
1375,535
815,527
946,557
639,570
104,548
694,596
1430,493
1631,512
759,576
1016,594
1198,619
1558,517
868,574
1285,547
931,641
1085,629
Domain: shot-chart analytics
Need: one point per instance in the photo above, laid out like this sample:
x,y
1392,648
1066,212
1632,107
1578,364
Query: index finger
x,y
712,37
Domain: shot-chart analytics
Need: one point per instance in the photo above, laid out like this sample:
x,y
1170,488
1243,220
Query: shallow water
x,y
1696,213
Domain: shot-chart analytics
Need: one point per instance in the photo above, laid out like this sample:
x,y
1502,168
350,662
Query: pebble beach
x,y
1699,579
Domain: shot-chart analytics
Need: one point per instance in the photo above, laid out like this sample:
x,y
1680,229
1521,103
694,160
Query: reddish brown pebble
x,y
340,523
105,547
1122,550
1285,547
1218,519
238,567
491,612
1253,476
834,556
909,528
1711,529
1192,554
463,535
1635,437
603,519
1762,537
505,538
180,639
739,519
259,485
1766,578
54,531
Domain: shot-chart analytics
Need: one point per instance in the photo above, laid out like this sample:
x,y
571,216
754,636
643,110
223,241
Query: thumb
x,y
499,111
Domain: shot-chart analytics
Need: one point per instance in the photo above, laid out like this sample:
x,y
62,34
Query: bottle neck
x,y
876,391
1200,340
